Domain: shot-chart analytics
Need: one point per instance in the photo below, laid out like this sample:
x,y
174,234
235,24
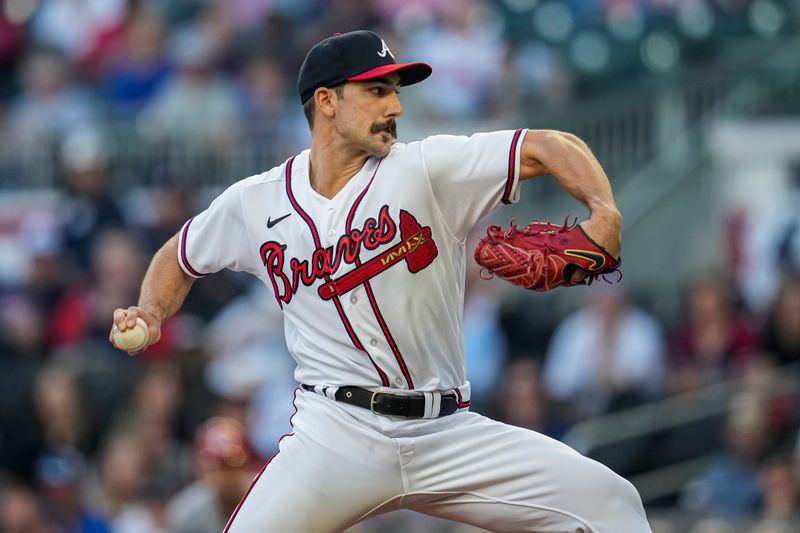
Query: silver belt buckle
x,y
372,404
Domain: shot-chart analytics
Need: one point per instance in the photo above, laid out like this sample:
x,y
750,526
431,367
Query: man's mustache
x,y
390,126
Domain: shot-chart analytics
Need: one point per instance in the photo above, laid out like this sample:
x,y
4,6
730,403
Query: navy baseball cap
x,y
354,56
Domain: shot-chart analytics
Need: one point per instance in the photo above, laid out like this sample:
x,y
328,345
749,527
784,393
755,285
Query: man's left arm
x,y
570,161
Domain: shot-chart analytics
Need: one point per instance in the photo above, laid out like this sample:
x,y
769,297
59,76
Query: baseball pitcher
x,y
360,240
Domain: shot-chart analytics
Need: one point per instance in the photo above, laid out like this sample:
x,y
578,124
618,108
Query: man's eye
x,y
377,91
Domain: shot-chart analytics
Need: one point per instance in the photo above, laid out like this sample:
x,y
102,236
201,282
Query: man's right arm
x,y
163,291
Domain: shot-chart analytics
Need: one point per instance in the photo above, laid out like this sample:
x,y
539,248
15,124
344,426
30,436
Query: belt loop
x,y
330,392
437,405
433,404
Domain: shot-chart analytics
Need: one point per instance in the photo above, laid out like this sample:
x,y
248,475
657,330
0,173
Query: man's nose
x,y
395,108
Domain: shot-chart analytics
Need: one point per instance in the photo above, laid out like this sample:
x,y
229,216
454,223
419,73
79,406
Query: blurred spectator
x,y
168,206
715,341
278,38
608,355
41,236
119,488
347,15
89,208
21,512
787,247
216,24
522,401
198,108
155,415
23,329
469,55
63,414
118,265
729,488
20,340
50,105
141,68
73,26
265,101
59,477
766,242
250,365
224,470
246,343
780,509
782,328
11,45
540,76
247,14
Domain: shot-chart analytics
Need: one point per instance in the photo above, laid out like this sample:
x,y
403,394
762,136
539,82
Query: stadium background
x,y
120,119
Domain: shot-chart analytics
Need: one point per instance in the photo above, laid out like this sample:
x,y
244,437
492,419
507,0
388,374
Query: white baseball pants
x,y
344,464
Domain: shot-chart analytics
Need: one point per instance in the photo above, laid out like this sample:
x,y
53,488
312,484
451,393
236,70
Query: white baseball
x,y
132,339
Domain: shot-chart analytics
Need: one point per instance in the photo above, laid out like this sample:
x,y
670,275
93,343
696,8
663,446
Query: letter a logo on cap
x,y
385,50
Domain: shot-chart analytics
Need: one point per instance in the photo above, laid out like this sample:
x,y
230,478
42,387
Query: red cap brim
x,y
410,73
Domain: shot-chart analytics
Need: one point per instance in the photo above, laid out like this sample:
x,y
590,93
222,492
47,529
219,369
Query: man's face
x,y
366,114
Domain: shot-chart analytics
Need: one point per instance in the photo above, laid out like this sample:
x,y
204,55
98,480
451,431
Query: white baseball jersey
x,y
371,281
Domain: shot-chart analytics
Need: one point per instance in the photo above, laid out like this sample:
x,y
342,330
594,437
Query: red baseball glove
x,y
542,256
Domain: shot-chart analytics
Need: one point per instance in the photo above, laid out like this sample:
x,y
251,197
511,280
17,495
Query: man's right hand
x,y
126,318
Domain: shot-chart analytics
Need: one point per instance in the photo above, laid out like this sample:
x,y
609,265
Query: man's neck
x,y
332,165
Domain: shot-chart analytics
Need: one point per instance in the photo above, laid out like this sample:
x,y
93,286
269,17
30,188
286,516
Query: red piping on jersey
x,y
191,270
318,244
461,402
512,163
370,295
386,332
258,476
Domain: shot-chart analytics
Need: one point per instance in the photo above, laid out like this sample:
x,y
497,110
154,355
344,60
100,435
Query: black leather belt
x,y
382,403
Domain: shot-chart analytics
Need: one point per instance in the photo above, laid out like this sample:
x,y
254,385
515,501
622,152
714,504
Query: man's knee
x,y
614,504
623,506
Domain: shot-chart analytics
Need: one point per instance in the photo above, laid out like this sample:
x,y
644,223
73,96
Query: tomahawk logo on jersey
x,y
370,281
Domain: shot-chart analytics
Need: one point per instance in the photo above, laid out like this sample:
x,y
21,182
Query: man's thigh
x,y
504,478
329,473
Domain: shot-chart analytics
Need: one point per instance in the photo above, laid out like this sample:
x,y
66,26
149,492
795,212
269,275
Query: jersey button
x,y
373,342
398,381
353,299
332,233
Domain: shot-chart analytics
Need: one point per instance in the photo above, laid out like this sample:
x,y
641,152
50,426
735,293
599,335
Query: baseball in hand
x,y
132,339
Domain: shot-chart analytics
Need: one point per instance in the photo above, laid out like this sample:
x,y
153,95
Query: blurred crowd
x,y
138,71
94,441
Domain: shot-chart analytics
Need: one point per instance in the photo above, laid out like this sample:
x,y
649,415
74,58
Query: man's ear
x,y
325,99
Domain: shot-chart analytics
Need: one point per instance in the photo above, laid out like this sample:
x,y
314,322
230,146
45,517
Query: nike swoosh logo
x,y
598,260
271,222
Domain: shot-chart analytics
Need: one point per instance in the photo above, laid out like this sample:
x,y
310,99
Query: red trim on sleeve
x,y
185,259
512,164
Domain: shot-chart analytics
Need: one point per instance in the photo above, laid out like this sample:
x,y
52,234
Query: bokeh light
x,y
660,51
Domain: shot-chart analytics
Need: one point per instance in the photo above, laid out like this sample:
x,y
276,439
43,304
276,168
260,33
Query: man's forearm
x,y
165,284
570,161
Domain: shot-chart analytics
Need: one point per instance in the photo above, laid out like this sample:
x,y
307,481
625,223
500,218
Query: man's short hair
x,y
309,106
